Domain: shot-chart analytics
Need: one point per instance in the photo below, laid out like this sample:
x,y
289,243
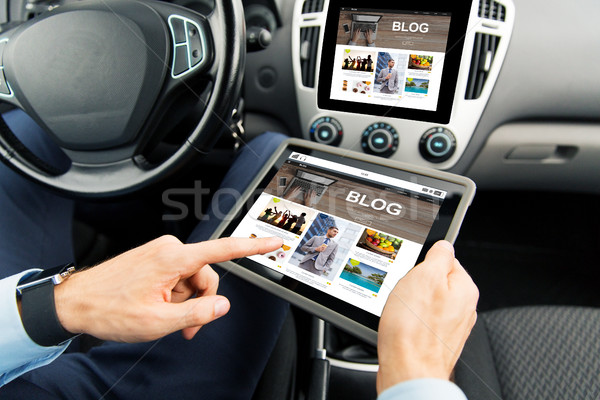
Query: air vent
x,y
492,10
484,51
309,42
312,6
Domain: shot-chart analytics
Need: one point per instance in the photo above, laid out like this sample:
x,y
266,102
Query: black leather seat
x,y
530,353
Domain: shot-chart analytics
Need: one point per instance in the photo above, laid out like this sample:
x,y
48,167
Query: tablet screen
x,y
398,63
351,229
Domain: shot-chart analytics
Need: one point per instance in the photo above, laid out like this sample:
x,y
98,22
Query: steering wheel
x,y
104,78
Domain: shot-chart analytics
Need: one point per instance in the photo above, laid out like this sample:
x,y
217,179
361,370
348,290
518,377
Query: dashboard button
x,y
325,133
326,130
437,145
380,139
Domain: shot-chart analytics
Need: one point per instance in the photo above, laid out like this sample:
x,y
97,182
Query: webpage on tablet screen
x,y
348,232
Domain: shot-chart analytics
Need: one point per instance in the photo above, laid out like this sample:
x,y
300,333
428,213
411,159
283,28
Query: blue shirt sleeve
x,y
423,389
18,353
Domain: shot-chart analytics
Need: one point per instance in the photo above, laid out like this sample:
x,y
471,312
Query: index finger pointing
x,y
225,249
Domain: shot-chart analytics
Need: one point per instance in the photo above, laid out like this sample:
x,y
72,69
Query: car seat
x,y
533,352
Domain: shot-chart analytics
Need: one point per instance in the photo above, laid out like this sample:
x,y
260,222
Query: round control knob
x,y
437,145
380,139
326,130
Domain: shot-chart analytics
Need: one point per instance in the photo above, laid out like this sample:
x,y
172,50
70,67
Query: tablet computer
x,y
352,226
400,63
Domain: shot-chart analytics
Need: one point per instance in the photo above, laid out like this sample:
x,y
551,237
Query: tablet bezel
x,y
344,315
459,10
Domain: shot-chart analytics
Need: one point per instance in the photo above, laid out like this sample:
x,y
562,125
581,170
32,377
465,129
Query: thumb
x,y
441,254
196,312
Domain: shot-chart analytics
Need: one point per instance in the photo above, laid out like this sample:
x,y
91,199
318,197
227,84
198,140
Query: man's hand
x,y
153,290
356,35
426,320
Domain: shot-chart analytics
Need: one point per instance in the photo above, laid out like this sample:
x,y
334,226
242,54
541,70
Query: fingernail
x,y
221,307
447,245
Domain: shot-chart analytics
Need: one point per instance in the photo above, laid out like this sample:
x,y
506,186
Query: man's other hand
x,y
426,320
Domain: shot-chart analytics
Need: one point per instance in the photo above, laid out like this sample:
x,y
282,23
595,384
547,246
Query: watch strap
x,y
38,314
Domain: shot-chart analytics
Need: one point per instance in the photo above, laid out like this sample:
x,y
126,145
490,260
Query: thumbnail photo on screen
x,y
363,275
380,243
359,60
285,215
325,245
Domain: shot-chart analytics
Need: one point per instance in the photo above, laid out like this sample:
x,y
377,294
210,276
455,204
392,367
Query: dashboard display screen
x,y
397,63
391,59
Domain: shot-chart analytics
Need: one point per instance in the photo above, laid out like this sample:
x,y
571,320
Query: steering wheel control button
x,y
180,61
380,139
178,30
437,145
196,52
188,45
327,130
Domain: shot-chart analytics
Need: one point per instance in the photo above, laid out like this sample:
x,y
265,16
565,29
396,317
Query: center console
x,y
408,84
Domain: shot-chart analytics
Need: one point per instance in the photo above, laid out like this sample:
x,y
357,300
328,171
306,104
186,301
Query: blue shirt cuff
x,y
19,353
423,389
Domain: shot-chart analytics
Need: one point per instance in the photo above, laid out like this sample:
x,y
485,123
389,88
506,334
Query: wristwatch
x,y
38,310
